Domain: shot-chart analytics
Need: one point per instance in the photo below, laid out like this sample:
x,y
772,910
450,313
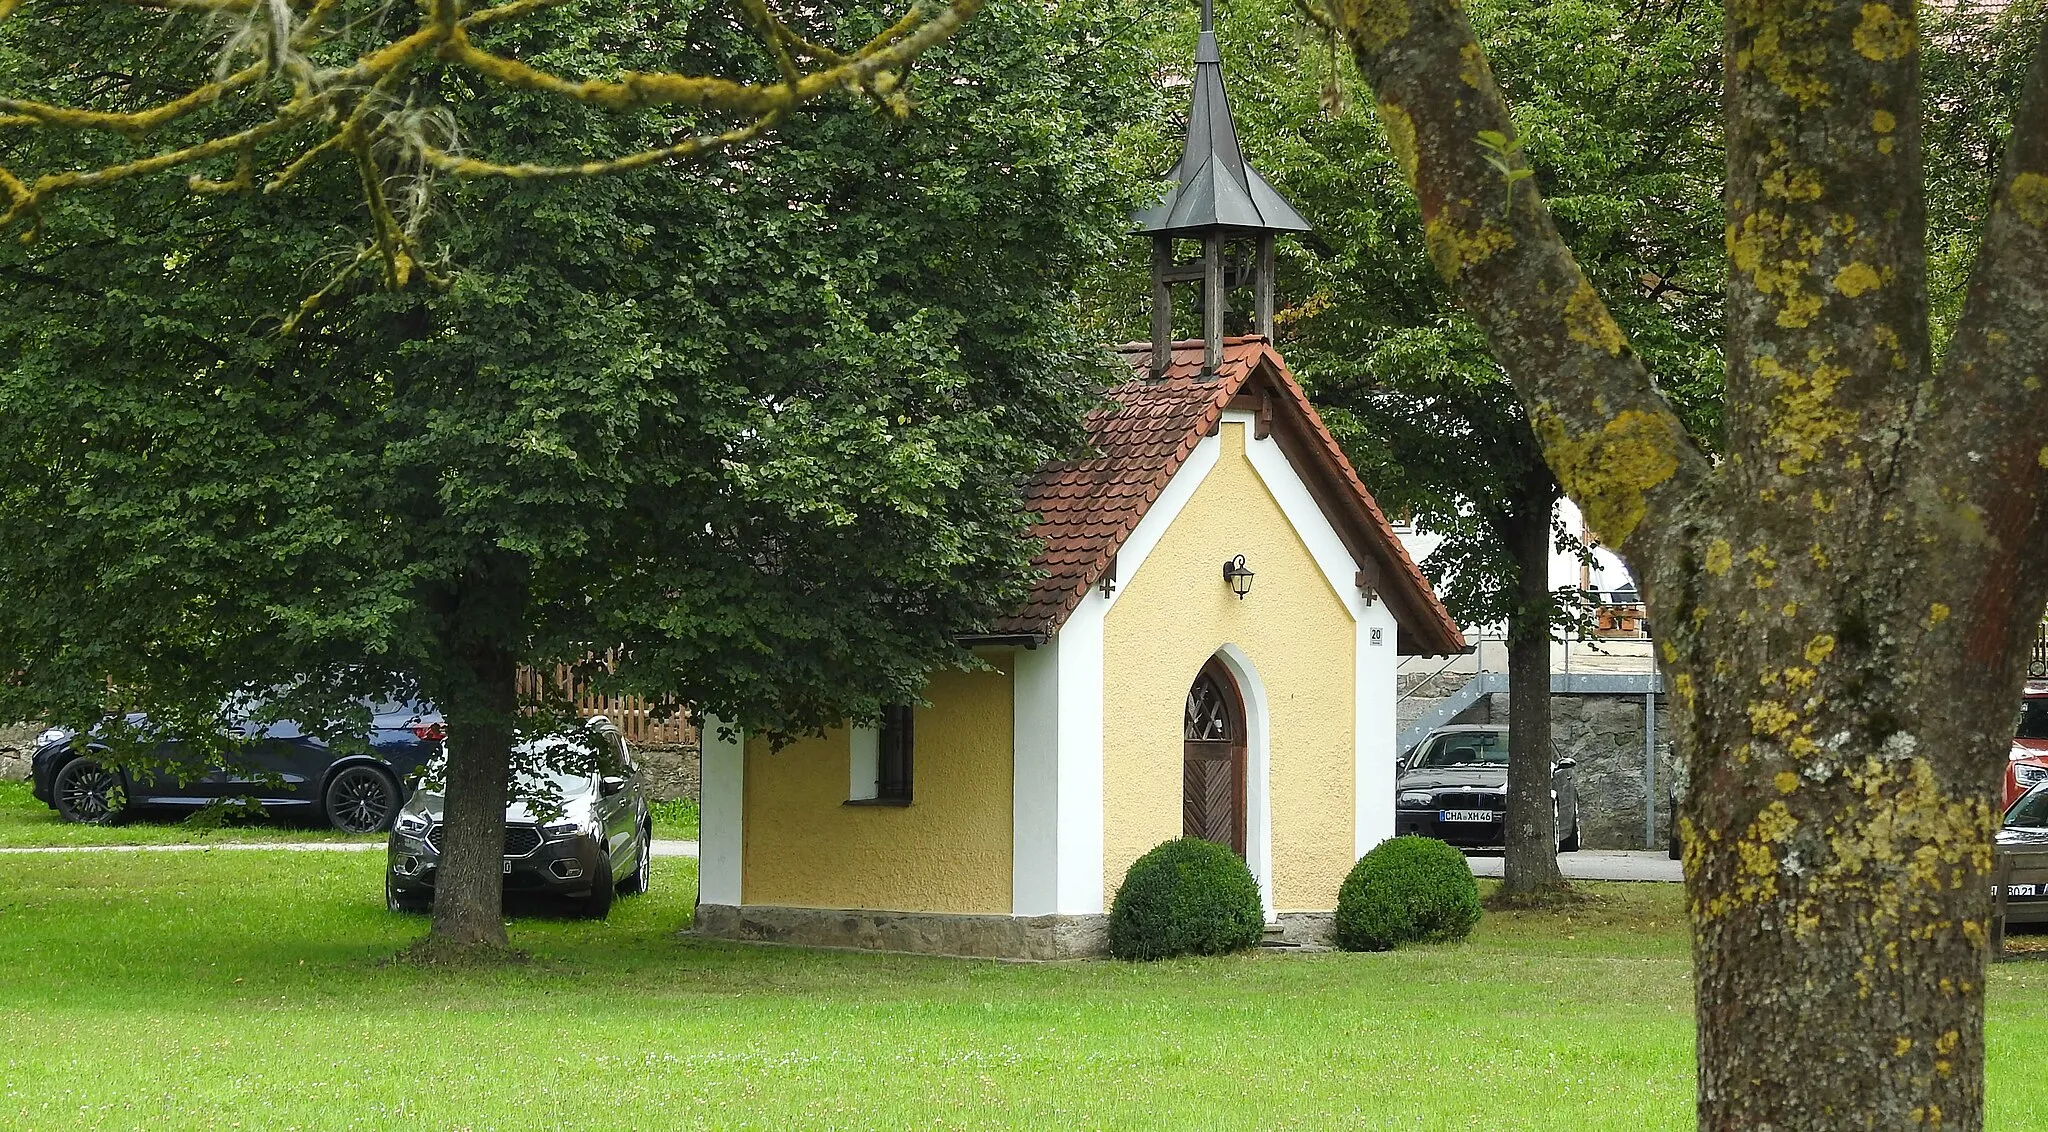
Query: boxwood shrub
x,y
1185,897
1407,890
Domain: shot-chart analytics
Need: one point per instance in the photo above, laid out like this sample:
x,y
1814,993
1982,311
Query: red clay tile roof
x,y
1088,507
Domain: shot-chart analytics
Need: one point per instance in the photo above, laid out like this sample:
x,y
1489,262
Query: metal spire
x,y
1217,198
1212,185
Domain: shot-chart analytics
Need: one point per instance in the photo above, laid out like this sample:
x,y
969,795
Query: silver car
x,y
581,835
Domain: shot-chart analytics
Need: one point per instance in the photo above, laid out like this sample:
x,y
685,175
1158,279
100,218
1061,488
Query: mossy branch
x,y
320,110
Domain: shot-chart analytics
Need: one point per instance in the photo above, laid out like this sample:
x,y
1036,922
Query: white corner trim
x,y
863,763
1077,870
1258,826
720,837
1173,499
1317,533
1372,730
1035,781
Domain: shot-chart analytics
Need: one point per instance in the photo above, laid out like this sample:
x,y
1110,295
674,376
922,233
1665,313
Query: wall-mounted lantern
x,y
1239,576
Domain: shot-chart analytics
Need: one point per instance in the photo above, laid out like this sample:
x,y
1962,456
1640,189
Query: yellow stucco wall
x,y
948,851
1171,617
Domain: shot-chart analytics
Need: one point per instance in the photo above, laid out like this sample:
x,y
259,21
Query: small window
x,y
893,777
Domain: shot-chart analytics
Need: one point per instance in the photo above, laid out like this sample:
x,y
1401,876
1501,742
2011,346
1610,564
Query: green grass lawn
x,y
675,819
198,990
27,822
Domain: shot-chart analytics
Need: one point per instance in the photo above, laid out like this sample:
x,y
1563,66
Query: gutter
x,y
1014,640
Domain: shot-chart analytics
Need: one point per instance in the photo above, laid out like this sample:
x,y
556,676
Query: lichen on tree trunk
x,y
1843,599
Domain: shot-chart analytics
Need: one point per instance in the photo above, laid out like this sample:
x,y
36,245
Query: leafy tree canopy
x,y
758,425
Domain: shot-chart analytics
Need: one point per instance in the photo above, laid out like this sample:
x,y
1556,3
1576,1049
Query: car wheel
x,y
598,904
1571,844
398,901
361,799
636,884
87,793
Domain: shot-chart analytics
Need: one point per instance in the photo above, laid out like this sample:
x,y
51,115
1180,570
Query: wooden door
x,y
1213,760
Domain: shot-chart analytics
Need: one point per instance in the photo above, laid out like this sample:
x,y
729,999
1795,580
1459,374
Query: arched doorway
x,y
1213,759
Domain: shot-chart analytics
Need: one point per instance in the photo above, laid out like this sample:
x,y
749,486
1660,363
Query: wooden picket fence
x,y
634,717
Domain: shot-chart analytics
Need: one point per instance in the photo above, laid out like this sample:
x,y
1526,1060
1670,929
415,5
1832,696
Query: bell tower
x,y
1220,203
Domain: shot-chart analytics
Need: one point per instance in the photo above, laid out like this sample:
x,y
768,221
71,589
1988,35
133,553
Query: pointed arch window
x,y
1213,759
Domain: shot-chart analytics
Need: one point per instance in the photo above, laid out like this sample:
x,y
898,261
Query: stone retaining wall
x,y
668,772
17,744
1605,734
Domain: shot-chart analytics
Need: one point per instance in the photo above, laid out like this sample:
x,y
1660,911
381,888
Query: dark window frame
x,y
895,767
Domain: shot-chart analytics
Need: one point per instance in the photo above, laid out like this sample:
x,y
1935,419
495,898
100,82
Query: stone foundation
x,y
1038,938
1310,931
925,933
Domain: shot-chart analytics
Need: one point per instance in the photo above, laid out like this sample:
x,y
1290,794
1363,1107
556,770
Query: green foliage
x,y
676,817
757,425
1973,65
1406,890
1185,897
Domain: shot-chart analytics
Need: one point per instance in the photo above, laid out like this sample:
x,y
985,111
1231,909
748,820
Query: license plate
x,y
2022,890
508,868
1465,815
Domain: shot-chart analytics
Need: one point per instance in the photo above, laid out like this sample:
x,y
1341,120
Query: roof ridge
x,y
1141,438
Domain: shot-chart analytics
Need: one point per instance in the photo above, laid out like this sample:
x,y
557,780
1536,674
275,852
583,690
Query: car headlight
x,y
560,830
409,825
1416,799
53,735
2026,774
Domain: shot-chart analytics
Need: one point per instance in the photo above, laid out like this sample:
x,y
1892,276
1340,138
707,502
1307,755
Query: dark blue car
x,y
283,767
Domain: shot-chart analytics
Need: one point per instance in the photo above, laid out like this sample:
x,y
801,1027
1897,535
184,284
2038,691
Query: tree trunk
x,y
1529,870
1838,878
469,886
1844,597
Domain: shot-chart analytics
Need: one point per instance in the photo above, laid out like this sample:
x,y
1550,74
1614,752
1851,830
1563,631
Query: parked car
x,y
2026,827
1454,787
285,768
584,836
2027,765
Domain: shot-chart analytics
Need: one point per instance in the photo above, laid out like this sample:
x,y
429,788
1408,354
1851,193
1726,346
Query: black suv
x,y
283,766
584,836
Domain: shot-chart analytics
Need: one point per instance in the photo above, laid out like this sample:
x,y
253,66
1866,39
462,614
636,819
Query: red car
x,y
2029,762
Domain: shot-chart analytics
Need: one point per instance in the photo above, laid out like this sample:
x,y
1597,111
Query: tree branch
x,y
876,69
1986,422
